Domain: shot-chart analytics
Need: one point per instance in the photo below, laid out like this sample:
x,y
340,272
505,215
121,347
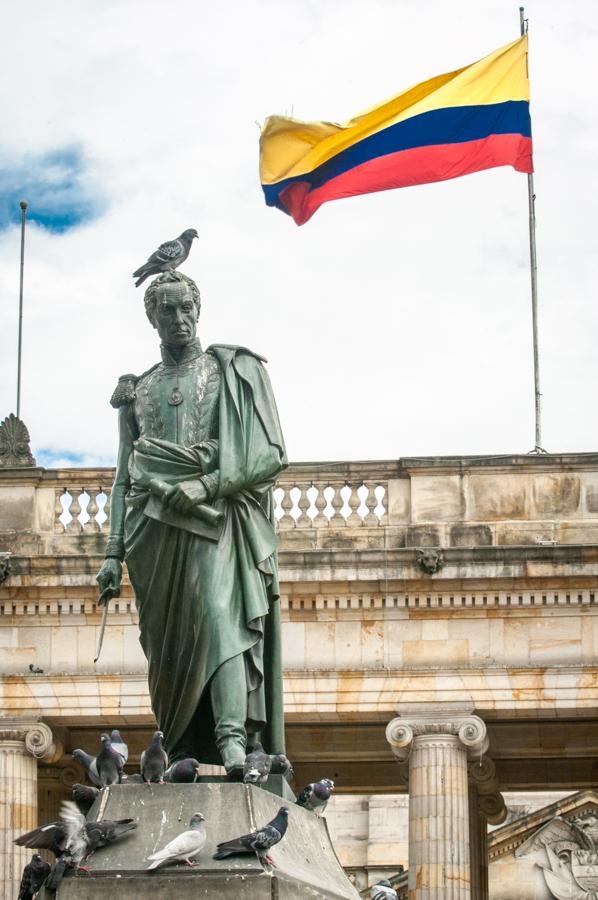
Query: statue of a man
x,y
191,513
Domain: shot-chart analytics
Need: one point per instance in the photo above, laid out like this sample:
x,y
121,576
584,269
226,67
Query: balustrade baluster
x,y
92,510
371,501
320,520
75,511
286,504
303,503
337,519
58,511
106,525
354,503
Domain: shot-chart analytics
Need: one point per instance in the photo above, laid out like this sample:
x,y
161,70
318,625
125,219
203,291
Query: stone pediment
x,y
554,850
512,837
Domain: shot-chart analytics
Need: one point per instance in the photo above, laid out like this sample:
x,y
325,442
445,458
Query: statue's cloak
x,y
201,601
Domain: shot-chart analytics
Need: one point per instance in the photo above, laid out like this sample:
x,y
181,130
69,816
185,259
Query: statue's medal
x,y
176,398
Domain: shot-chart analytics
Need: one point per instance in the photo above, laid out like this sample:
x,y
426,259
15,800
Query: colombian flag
x,y
451,125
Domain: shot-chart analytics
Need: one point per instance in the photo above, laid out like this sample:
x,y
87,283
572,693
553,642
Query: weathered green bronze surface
x,y
200,447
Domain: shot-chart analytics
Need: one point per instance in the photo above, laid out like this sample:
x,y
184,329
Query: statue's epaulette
x,y
124,392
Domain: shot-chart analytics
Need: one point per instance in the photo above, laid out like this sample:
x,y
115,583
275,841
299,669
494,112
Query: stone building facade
x,y
440,648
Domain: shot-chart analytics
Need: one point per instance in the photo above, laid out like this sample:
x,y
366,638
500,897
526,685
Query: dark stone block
x,y
422,536
471,536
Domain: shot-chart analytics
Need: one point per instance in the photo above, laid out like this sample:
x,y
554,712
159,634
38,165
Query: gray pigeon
x,y
89,764
383,890
281,765
184,847
167,257
84,796
80,839
185,771
257,765
154,760
109,763
119,745
259,841
315,796
34,875
75,844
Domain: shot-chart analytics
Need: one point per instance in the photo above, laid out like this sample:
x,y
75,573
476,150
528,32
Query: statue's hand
x,y
184,496
109,577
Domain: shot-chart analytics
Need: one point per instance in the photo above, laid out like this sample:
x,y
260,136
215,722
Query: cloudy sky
x,y
395,324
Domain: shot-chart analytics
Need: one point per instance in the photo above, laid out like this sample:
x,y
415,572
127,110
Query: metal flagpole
x,y
531,196
23,205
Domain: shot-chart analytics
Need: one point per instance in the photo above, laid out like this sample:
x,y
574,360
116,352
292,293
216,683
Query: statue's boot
x,y
228,693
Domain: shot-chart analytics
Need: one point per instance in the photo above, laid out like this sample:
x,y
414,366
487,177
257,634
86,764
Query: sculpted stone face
x,y
175,314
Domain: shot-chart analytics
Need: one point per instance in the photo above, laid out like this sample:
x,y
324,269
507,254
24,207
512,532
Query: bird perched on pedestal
x,y
281,765
185,771
34,875
154,760
259,841
105,768
257,765
383,890
72,839
84,796
167,257
184,847
315,796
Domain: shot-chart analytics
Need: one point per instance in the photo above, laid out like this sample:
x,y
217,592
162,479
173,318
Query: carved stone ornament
x,y
470,730
14,443
567,853
429,560
4,567
36,738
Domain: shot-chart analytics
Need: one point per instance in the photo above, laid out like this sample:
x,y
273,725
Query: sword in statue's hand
x,y
104,600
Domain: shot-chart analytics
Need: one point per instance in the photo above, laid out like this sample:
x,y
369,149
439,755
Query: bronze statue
x,y
191,513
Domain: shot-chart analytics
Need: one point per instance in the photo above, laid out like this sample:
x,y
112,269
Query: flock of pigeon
x,y
72,839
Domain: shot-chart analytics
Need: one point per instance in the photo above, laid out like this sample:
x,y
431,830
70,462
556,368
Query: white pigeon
x,y
184,847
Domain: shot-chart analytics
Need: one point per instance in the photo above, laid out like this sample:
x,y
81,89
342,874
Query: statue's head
x,y
172,305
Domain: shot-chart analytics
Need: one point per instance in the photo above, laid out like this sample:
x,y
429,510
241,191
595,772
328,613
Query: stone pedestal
x,y
21,745
305,863
438,748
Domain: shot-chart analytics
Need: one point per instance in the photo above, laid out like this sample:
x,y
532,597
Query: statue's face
x,y
175,314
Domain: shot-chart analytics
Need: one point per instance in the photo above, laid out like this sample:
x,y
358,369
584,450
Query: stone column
x,y
486,805
438,747
22,744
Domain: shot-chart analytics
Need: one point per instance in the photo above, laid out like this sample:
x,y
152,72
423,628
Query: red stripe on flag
x,y
421,165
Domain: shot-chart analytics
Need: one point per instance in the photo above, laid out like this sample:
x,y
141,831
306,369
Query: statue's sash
x,y
156,465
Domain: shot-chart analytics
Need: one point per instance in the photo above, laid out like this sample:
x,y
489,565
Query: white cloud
x,y
395,324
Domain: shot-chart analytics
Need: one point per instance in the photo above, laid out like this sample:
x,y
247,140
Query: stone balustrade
x,y
450,502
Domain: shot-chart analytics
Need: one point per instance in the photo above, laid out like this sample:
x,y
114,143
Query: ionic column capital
x,y
483,779
30,737
470,730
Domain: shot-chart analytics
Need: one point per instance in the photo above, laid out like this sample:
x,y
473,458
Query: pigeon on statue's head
x,y
167,257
